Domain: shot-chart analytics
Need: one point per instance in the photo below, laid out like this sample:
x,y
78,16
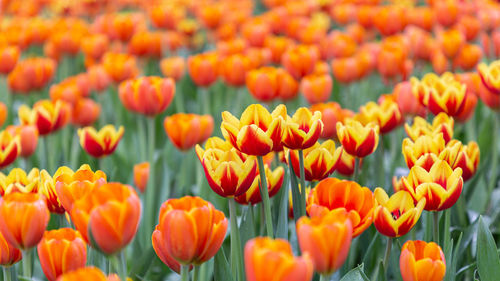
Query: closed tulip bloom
x,y
407,102
48,189
425,144
31,74
278,45
190,230
18,181
262,83
316,88
356,139
422,261
89,273
331,113
72,186
447,12
332,194
10,148
141,175
442,123
100,143
467,160
185,130
320,160
110,214
274,182
345,165
441,185
149,95
119,67
300,60
167,16
303,129
85,112
447,95
257,132
8,254
61,251
99,79
23,219
386,114
266,258
95,46
227,173
469,107
396,216
234,68
468,57
327,239
451,41
9,56
490,75
48,116
203,68
147,44
288,87
173,67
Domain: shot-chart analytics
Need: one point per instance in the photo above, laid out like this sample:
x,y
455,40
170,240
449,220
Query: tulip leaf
x,y
370,257
142,265
295,192
356,274
282,229
488,262
222,270
247,227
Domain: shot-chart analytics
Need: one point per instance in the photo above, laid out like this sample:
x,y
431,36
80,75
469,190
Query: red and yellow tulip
x,y
357,139
48,116
100,143
150,95
490,75
303,129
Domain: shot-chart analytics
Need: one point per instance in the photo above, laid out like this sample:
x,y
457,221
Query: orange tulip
x,y
8,254
48,116
3,113
268,83
490,76
10,148
468,57
407,102
85,112
95,46
390,20
119,67
288,87
100,143
31,75
234,68
48,189
18,181
331,113
141,175
277,45
9,55
73,186
396,216
198,233
337,45
303,129
332,194
315,238
320,160
441,185
173,67
451,41
356,139
147,44
265,257
99,79
23,219
422,261
257,132
274,182
185,130
89,273
439,61
71,89
316,87
300,60
203,68
108,216
442,123
446,12
150,95
167,16
61,251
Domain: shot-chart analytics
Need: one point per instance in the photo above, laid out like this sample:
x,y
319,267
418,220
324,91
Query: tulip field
x,y
250,140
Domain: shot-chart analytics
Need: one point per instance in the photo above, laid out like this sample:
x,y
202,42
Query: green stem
x,y
265,198
179,98
436,227
387,252
7,273
101,99
302,183
75,146
236,251
382,181
196,272
185,272
151,190
27,263
356,169
324,277
494,154
205,100
120,264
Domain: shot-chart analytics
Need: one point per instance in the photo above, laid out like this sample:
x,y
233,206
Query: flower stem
x,y
265,198
494,154
436,227
387,252
151,188
27,263
120,264
302,183
7,272
236,251
324,277
196,272
185,272
356,169
73,157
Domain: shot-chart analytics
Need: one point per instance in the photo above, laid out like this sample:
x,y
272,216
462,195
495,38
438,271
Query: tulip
x,y
89,273
396,216
327,239
167,16
467,160
31,74
386,114
265,257
119,67
288,88
320,160
468,57
190,231
100,143
300,60
346,163
490,76
337,45
9,255
9,55
48,116
48,189
274,182
303,129
10,148
99,79
441,124
61,251
356,139
95,46
331,113
426,144
18,181
149,95
257,132
108,216
72,186
234,68
441,186
85,112
451,42
422,261
141,175
407,102
277,45
332,194
185,130
147,44
203,68
316,87
173,67
23,219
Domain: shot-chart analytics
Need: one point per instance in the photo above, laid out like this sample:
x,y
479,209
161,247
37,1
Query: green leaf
x,y
222,270
295,193
372,252
381,272
488,263
142,265
356,274
247,227
282,228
